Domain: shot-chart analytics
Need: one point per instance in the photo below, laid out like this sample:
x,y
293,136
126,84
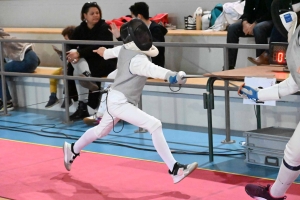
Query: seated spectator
x,y
19,57
255,22
138,10
85,62
263,59
53,100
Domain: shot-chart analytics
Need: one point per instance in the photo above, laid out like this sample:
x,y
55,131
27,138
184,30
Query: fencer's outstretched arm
x,y
275,92
140,65
108,53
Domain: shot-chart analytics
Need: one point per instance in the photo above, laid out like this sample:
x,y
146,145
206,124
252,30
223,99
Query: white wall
x,y
61,13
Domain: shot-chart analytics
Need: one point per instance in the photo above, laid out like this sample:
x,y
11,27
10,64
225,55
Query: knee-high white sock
x,y
162,148
88,137
284,180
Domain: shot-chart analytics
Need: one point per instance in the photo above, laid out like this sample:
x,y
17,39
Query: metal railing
x,y
65,77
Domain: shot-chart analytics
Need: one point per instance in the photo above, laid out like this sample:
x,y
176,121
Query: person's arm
x,y
108,53
115,31
275,92
140,65
112,53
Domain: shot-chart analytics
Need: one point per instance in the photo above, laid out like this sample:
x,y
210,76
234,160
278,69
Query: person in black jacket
x,y
255,22
84,61
138,10
141,10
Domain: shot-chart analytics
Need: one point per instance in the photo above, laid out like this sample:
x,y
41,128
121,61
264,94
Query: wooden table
x,y
268,71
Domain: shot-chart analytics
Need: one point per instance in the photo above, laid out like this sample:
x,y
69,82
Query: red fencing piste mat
x,y
31,171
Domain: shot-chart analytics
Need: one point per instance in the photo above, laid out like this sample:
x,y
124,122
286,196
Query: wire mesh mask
x,y
136,31
280,7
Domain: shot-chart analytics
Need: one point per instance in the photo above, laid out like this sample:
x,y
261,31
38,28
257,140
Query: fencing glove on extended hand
x,y
249,92
176,77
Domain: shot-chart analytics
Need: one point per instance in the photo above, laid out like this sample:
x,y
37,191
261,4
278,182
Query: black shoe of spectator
x,y
63,105
81,112
52,101
9,106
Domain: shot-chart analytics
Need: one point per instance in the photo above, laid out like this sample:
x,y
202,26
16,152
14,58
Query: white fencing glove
x,y
176,77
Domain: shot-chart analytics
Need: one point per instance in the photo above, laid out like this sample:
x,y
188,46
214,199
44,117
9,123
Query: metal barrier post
x,y
4,100
227,101
258,117
208,99
66,88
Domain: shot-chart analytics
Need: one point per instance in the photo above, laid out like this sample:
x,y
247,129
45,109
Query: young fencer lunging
x,y
134,67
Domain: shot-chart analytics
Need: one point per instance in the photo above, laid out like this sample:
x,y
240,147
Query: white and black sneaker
x,y
180,171
190,23
69,155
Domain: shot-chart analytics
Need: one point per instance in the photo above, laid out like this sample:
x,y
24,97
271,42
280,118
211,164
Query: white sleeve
x,y
111,53
275,92
141,66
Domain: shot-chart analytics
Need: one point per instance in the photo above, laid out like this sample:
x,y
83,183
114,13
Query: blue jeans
x,y
276,36
261,32
27,65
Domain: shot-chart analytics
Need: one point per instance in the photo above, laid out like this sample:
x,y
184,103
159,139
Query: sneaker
x,y
69,155
63,105
181,171
81,112
9,106
92,120
261,192
53,100
190,23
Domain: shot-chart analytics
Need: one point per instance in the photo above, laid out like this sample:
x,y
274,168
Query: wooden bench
x,y
46,70
177,32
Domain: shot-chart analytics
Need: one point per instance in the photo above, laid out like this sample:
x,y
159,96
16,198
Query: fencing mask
x,y
136,36
284,16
